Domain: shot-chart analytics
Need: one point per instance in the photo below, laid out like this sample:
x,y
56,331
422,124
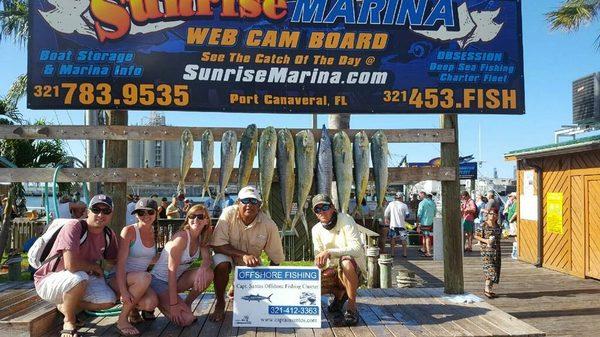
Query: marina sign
x,y
284,56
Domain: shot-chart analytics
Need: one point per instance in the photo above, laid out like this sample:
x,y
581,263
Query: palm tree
x,y
14,23
572,14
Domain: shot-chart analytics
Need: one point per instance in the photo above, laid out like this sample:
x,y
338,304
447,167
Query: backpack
x,y
39,251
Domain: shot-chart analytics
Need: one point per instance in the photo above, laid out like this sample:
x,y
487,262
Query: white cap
x,y
249,192
399,195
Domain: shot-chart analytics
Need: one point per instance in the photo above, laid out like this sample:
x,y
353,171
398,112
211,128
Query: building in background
x,y
153,153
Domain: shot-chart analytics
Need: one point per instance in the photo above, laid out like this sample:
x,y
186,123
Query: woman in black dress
x,y
489,236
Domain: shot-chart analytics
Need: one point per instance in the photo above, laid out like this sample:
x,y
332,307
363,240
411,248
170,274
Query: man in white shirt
x,y
340,256
395,215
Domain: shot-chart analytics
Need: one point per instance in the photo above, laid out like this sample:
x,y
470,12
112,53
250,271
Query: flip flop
x,y
69,333
134,317
123,331
148,315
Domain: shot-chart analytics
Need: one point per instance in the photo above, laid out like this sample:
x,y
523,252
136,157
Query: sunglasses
x,y
323,208
144,212
197,216
105,211
247,201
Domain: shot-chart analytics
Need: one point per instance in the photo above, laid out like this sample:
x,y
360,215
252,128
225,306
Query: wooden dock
x,y
383,312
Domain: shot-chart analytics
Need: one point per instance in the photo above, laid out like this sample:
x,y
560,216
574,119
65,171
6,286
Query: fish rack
x,y
446,136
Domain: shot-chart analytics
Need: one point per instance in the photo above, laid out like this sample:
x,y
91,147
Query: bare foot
x,y
219,312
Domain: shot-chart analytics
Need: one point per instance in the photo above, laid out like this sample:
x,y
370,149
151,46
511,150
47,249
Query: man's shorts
x,y
468,226
52,287
427,230
220,258
331,278
398,233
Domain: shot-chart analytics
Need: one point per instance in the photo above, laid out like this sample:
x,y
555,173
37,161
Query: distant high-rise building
x,y
153,153
586,100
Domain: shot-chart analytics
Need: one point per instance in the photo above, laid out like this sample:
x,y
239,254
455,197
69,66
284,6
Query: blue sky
x,y
553,59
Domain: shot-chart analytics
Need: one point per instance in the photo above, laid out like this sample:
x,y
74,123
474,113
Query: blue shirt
x,y
426,212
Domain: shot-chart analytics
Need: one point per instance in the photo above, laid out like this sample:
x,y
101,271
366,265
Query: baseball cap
x,y
145,204
101,199
321,199
399,195
249,192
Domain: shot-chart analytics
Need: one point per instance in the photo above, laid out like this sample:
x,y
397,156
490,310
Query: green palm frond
x,y
17,90
9,109
572,14
14,21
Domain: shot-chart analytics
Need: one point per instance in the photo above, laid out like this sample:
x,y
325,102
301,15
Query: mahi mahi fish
x,y
342,163
247,153
187,152
379,156
305,166
361,154
207,154
324,164
285,169
267,147
228,152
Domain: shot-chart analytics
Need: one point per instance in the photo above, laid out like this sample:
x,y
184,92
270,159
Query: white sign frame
x,y
281,297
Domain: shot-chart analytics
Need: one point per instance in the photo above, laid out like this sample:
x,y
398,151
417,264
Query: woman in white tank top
x,y
130,278
171,274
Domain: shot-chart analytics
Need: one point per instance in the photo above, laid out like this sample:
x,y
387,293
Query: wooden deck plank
x,y
514,325
226,327
468,316
414,306
305,332
372,321
391,305
246,332
265,332
288,332
330,325
391,323
210,328
443,312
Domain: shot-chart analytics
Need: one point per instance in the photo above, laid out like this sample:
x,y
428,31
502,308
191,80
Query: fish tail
x,y
269,298
181,188
296,218
305,223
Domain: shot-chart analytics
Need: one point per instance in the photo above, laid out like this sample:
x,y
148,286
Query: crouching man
x,y
71,276
242,233
340,256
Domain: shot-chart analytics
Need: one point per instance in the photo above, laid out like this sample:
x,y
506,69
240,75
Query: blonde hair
x,y
206,233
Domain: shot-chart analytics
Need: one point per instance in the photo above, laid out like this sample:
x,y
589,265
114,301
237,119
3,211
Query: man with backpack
x,y
70,275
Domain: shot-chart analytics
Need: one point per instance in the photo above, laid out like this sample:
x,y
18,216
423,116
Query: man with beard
x,y
339,255
242,233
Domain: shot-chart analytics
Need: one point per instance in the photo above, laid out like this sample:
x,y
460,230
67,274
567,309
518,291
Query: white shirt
x,y
130,218
396,212
342,240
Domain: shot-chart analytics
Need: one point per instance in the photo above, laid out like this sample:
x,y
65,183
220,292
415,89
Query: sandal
x,y
489,294
350,318
148,315
134,317
337,305
127,332
69,333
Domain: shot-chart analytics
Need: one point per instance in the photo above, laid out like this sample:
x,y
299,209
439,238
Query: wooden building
x,y
558,188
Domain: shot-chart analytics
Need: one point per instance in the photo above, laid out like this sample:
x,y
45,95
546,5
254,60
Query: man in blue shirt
x,y
425,215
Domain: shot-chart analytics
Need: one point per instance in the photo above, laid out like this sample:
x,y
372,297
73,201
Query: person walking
x,y
491,253
425,215
468,210
395,217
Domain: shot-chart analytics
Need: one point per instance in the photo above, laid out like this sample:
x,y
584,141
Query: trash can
x,y
14,267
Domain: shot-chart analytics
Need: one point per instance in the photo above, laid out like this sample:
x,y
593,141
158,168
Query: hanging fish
x,y
207,154
342,163
324,164
305,167
187,153
228,151
285,169
361,153
267,148
247,152
379,156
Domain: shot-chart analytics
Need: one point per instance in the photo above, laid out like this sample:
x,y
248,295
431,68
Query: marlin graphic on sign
x,y
256,298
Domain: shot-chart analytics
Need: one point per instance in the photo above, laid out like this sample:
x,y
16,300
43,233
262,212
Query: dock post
x,y
372,267
385,270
